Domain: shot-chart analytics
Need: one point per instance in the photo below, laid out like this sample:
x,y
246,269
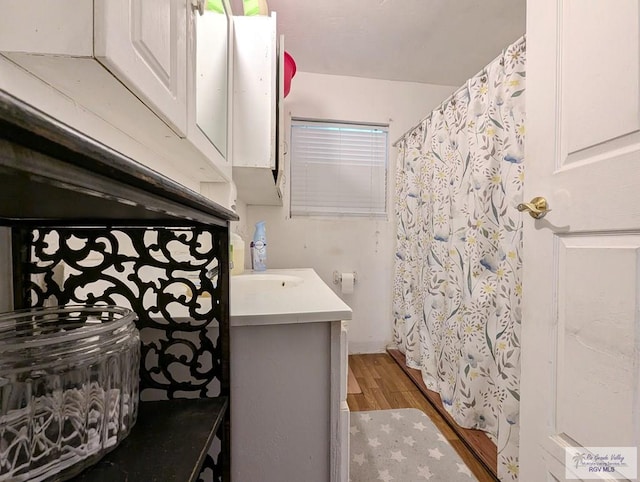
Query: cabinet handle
x,y
198,5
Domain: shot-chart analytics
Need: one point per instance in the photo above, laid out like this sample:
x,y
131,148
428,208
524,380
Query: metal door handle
x,y
537,208
198,5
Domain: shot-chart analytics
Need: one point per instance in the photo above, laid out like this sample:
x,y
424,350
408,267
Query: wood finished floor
x,y
478,441
384,386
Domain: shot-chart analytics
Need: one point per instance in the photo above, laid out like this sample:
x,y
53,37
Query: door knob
x,y
537,208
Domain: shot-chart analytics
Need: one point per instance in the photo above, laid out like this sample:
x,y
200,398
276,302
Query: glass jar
x,y
68,388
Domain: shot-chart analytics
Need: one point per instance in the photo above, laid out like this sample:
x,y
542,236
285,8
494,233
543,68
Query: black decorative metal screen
x,y
212,468
174,279
169,277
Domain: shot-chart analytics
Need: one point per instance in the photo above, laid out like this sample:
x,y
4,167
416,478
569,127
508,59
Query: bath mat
x,y
401,445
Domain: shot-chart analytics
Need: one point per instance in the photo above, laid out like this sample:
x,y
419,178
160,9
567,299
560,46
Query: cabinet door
x,y
208,84
281,116
143,43
254,92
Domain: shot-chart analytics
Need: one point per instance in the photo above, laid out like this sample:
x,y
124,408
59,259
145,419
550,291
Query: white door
x,y
143,43
580,332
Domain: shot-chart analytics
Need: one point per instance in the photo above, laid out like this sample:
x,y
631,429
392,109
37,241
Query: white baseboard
x,y
357,348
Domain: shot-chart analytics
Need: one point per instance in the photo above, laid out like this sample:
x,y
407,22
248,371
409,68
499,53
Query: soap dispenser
x,y
259,248
237,254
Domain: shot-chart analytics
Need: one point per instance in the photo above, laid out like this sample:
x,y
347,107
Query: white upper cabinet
x,y
255,91
37,27
136,65
208,79
143,43
257,109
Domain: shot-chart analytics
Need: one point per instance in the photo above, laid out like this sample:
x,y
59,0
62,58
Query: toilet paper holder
x,y
337,277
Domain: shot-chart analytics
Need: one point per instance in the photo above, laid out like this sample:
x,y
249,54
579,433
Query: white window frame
x,y
337,199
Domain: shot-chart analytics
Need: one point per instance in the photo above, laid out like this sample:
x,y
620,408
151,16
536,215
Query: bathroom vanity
x,y
288,378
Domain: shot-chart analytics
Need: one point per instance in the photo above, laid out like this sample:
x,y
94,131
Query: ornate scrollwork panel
x,y
168,276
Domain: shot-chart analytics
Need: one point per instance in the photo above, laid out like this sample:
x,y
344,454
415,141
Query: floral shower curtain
x,y
457,282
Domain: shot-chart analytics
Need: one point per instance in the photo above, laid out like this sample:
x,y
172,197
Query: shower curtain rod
x,y
411,129
456,92
442,104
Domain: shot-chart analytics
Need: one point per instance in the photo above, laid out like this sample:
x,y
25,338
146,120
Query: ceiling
x,y
432,41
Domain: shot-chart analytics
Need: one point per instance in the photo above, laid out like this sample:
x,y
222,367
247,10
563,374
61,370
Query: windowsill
x,y
341,217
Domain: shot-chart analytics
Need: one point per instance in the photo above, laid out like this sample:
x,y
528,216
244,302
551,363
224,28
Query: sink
x,y
261,281
261,299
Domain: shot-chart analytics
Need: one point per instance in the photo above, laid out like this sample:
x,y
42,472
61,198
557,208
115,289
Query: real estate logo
x,y
609,463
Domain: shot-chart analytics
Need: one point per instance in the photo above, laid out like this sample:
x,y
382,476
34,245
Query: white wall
x,y
348,244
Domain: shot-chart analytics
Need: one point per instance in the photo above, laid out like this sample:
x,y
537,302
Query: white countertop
x,y
296,302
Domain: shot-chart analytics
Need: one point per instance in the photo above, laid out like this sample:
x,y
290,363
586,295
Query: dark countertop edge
x,y
220,403
195,473
25,125
205,449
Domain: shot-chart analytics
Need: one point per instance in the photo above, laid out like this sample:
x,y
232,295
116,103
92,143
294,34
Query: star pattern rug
x,y
402,445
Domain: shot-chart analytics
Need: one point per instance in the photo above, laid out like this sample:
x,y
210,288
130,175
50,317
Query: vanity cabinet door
x,y
143,43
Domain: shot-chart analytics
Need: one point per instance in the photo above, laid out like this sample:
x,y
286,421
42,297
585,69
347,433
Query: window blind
x,y
338,169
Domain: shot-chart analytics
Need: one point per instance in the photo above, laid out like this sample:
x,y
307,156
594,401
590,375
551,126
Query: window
x,y
338,169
